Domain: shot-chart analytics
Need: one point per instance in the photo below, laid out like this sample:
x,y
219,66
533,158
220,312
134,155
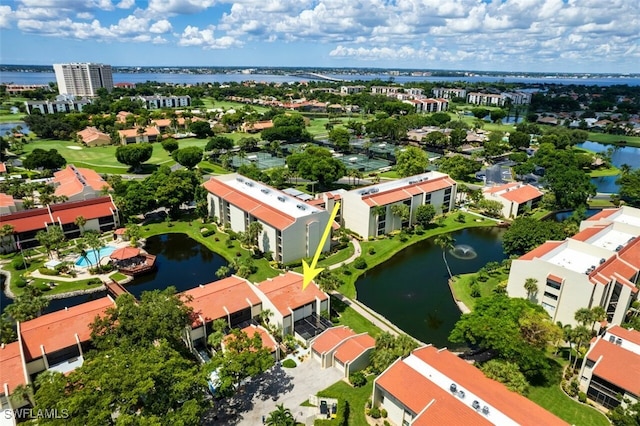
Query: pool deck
x,y
82,271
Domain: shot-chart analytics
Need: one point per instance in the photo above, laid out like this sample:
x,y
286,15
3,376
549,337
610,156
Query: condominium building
x,y
83,79
351,90
78,184
490,99
157,101
428,105
447,93
514,197
62,104
599,266
291,228
368,210
610,373
434,386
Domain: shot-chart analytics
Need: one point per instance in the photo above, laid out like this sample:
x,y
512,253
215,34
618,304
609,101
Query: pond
x,y
6,127
621,155
411,290
181,261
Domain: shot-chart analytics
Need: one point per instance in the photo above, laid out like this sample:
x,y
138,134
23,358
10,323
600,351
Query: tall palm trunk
x,y
444,257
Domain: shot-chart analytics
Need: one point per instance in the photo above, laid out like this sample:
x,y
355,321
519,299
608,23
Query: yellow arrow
x,y
310,272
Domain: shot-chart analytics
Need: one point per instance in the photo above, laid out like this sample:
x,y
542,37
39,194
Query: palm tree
x,y
92,240
80,221
217,335
280,417
580,336
223,272
5,231
599,314
531,286
625,169
446,243
584,316
255,228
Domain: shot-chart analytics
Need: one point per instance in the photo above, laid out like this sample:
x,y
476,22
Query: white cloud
x,y
178,7
126,4
85,15
194,36
160,27
5,16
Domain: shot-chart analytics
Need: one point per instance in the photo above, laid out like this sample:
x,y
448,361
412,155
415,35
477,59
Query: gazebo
x,y
131,261
125,253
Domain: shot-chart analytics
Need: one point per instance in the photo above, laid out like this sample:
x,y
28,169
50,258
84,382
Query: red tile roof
x,y
540,250
523,194
28,220
265,213
587,233
625,334
615,265
11,370
3,168
631,252
554,278
330,338
90,134
72,180
6,200
132,133
415,392
210,300
89,209
267,340
350,350
57,330
285,292
498,188
405,192
609,367
603,214
511,404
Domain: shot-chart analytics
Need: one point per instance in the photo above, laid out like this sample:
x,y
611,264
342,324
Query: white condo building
x,y
291,228
83,79
361,214
599,266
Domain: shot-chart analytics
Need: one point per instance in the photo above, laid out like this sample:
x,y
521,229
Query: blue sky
x,y
511,35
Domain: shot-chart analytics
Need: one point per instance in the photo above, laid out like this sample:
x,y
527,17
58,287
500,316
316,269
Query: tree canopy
x,y
188,157
458,167
201,129
516,329
134,155
39,158
411,161
317,164
527,233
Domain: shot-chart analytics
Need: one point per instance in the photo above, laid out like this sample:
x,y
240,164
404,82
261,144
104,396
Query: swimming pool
x,y
92,258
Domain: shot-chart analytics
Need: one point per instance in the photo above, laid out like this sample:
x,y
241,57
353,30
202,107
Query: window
x,y
427,198
447,191
550,296
553,284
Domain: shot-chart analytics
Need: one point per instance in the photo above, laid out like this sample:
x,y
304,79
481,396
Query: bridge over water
x,y
316,76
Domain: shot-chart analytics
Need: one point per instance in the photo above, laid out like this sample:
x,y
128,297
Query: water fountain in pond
x,y
464,252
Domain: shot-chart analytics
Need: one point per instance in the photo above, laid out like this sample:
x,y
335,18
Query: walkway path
x,y
357,251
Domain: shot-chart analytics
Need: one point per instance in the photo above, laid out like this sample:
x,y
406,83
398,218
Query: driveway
x,y
287,386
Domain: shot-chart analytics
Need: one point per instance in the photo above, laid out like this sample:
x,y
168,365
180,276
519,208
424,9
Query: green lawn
x,y
598,203
352,319
461,286
337,257
607,138
209,167
389,246
213,103
356,397
554,400
609,171
9,118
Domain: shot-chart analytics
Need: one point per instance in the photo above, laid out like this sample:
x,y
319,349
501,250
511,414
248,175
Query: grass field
x,y
356,397
352,319
461,286
554,400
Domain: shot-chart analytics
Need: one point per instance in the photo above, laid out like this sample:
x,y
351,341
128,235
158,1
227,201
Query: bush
x,y
289,363
94,281
475,290
43,287
19,263
360,263
372,250
357,379
374,412
47,271
21,282
582,397
208,232
383,413
460,218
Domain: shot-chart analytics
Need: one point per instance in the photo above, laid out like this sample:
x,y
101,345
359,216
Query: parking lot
x,y
287,386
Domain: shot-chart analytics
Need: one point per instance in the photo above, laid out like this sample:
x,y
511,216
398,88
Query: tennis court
x,y
262,160
363,163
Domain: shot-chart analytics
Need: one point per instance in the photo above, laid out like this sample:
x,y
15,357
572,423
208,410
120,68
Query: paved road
x,y
287,386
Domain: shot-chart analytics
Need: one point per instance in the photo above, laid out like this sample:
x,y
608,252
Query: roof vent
x,y
461,394
602,260
619,248
264,190
619,341
475,404
485,410
248,183
453,387
281,198
239,179
374,190
301,207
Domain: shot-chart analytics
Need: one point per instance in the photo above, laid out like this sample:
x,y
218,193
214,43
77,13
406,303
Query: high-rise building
x,y
83,79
